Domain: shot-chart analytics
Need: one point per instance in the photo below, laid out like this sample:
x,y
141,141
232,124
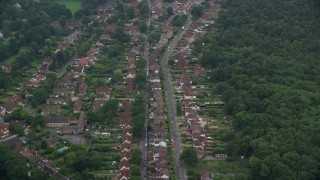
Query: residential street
x,y
144,138
64,68
170,97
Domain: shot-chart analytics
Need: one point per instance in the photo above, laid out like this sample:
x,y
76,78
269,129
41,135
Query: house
x,y
51,141
126,145
4,130
20,123
161,165
34,82
56,100
198,69
205,176
66,84
125,118
63,91
14,142
49,110
124,174
131,73
159,132
84,62
98,103
129,88
198,144
126,105
9,107
5,67
78,71
2,111
103,91
47,61
125,154
57,122
76,126
83,89
77,106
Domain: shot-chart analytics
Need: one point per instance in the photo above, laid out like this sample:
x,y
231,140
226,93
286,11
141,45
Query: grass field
x,y
73,5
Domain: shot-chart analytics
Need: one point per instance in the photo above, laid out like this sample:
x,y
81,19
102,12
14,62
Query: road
x,y
64,68
144,138
169,93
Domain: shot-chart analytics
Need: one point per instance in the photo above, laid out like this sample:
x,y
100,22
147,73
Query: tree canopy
x,y
264,57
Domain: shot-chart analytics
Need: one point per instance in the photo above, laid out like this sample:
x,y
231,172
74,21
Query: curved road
x,y
172,107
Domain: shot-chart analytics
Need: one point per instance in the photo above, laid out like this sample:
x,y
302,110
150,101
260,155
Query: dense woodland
x,y
265,60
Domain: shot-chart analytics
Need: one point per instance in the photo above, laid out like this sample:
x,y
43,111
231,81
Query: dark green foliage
x,y
179,111
13,164
120,35
143,27
143,9
28,25
18,114
265,59
197,11
138,115
189,157
179,20
170,11
105,114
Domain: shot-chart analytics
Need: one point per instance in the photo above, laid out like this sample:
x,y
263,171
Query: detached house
x,y
98,103
83,89
4,130
103,91
48,110
77,106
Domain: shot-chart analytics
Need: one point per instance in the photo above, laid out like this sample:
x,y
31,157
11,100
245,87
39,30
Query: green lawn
x,y
10,60
73,5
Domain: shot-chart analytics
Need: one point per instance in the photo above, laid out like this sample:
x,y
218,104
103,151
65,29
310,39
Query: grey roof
x,y
57,120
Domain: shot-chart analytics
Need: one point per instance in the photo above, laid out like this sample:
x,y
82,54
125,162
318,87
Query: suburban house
x,y
56,100
77,106
49,110
103,92
4,130
67,84
159,132
98,103
76,126
5,67
83,89
57,122
205,176
51,141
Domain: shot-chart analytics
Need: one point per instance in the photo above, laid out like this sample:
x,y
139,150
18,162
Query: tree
x,y
37,121
18,130
179,111
143,27
39,96
82,50
117,76
60,57
130,13
197,11
14,164
170,11
135,170
136,157
143,9
189,157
